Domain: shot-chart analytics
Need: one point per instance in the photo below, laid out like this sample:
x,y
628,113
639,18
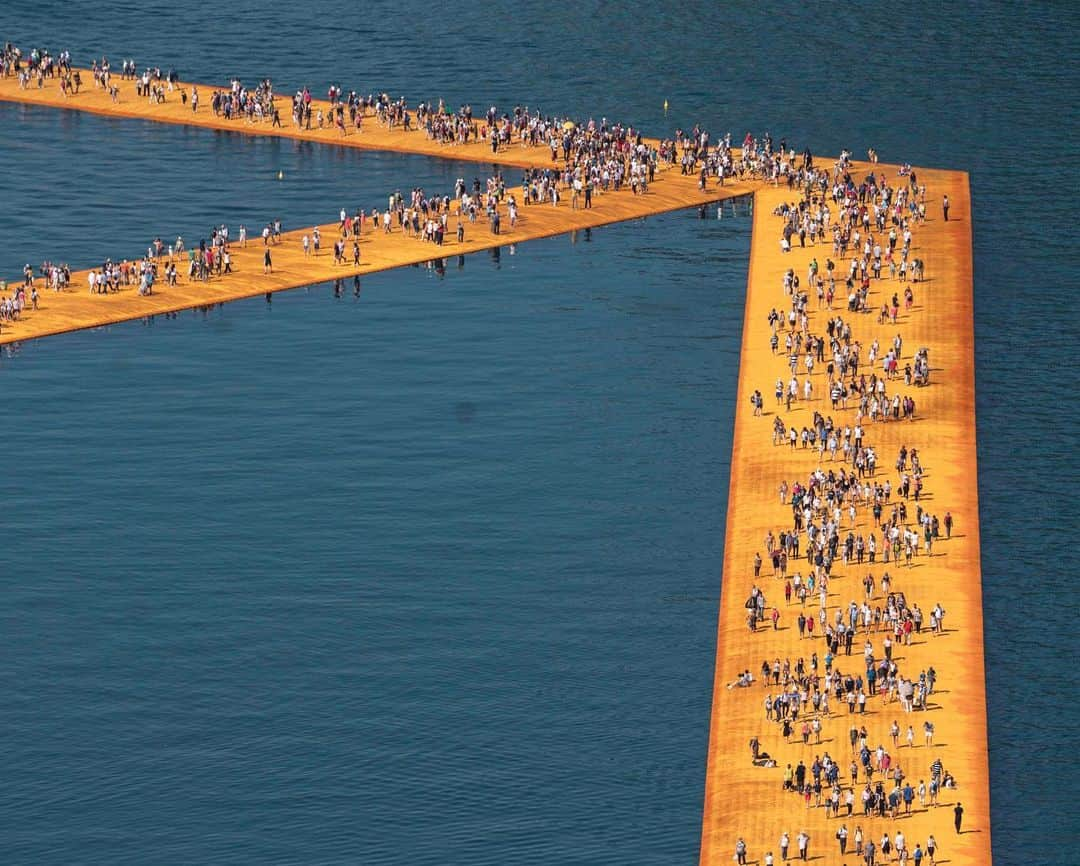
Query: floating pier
x,y
748,801
744,800
75,308
372,136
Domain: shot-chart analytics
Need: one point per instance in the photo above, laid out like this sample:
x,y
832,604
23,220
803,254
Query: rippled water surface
x,y
430,575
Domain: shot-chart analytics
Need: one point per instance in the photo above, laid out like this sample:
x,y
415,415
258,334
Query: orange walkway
x,y
373,136
741,800
76,308
745,800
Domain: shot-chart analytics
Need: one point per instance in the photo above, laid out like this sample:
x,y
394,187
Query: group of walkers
x,y
587,155
596,153
35,67
416,215
425,217
587,159
822,503
869,224
855,842
846,518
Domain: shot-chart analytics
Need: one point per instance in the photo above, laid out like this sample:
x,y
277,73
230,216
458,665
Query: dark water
x,y
430,576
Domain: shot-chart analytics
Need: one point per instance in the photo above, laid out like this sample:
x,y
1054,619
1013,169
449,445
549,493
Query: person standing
x,y
267,263
945,207
803,841
958,815
785,843
740,851
936,770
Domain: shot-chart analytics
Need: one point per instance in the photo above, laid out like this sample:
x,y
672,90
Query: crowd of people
x,y
846,518
846,514
417,214
588,159
857,843
597,154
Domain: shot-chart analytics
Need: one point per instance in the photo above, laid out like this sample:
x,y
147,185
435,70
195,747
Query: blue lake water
x,y
430,575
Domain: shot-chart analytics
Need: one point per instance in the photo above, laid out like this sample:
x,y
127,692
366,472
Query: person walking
x,y
841,837
958,815
945,207
803,841
740,852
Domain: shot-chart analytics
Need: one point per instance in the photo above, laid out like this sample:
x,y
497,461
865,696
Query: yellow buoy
x,y
665,106
280,175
